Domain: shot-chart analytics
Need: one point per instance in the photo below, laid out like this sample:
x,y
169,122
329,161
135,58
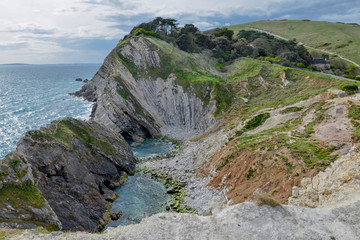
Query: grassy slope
x,y
314,34
279,155
199,72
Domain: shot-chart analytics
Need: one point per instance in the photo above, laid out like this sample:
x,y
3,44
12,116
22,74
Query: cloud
x,y
29,28
12,46
47,26
351,16
206,25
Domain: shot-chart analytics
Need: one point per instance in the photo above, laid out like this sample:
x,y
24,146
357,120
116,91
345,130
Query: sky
x,y
85,31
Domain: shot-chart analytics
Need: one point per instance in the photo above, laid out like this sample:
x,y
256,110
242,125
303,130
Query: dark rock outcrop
x,y
73,165
116,215
21,204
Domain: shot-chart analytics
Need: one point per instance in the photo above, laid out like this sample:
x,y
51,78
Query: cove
x,y
151,147
140,195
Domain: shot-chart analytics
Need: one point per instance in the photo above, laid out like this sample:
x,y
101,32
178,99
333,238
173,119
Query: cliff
x,y
61,176
280,126
147,87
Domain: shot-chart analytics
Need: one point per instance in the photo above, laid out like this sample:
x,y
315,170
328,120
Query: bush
x,y
350,89
224,32
263,199
254,123
291,109
250,173
139,31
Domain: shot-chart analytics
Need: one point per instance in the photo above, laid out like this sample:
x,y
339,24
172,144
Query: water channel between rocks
x,y
140,195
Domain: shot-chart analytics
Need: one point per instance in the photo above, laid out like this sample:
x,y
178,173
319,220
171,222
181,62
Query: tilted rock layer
x,y
137,93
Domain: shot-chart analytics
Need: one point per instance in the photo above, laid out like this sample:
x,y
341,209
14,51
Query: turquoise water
x,y
139,196
151,147
32,96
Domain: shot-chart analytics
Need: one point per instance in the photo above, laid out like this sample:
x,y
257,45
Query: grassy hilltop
x,y
340,38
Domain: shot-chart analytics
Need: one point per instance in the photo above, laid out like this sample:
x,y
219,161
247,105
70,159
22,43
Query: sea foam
x,y
32,96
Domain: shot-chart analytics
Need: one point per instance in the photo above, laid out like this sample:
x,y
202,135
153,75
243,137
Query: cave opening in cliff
x,y
126,135
136,134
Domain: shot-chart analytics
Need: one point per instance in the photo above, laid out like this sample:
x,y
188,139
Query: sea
x,y
32,96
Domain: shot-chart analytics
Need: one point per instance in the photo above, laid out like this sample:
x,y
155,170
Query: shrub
x,y
253,123
224,32
341,45
139,31
250,173
263,199
291,109
350,89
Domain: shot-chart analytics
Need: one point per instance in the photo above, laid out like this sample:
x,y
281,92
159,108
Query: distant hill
x,y
340,38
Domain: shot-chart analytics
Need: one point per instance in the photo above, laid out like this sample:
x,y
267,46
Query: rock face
x,y
21,204
137,93
73,165
338,185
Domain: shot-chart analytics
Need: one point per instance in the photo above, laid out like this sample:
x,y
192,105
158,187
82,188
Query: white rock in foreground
x,y
242,221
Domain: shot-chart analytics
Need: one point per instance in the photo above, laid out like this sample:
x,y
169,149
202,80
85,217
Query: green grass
x,y
254,123
67,130
350,88
263,199
334,37
19,195
206,87
291,109
311,152
354,112
47,226
268,91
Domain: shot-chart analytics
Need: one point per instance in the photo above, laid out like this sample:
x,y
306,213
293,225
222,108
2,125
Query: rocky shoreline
x,y
62,176
184,165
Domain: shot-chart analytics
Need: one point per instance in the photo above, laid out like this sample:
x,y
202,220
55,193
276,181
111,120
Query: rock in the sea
x,y
78,79
85,80
108,194
72,166
170,190
116,215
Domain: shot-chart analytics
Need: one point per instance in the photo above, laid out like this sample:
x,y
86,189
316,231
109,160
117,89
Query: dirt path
x,y
307,46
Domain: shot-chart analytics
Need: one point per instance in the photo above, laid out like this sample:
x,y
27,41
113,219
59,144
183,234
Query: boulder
x,y
116,215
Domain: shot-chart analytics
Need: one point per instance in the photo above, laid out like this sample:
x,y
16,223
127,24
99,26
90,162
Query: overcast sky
x,y
84,31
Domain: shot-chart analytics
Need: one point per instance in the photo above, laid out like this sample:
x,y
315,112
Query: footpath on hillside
x,y
307,46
